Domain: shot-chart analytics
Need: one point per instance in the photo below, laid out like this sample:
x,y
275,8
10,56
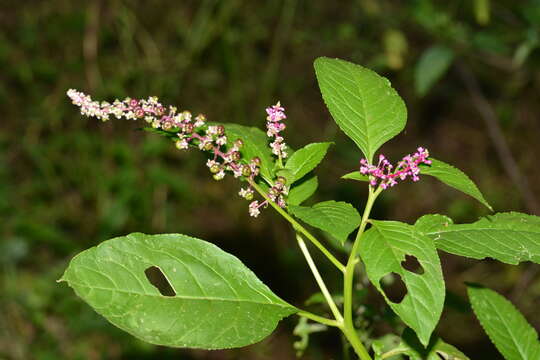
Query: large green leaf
x,y
337,218
504,324
218,302
255,145
306,159
383,249
508,237
432,65
363,104
301,191
453,177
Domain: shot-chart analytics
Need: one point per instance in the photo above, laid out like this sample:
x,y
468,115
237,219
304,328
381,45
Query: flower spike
x,y
385,175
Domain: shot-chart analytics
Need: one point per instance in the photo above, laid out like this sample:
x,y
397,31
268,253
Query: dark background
x,y
68,183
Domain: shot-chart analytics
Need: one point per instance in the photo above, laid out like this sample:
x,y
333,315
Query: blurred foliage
x,y
68,183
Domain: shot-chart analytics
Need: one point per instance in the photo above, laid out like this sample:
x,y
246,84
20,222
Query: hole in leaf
x,y
160,282
394,288
412,264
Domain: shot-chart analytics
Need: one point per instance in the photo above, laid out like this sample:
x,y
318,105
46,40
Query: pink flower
x,y
274,126
386,176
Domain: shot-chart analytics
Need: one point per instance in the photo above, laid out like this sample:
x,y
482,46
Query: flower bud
x,y
239,143
256,161
249,196
214,169
246,171
220,130
235,155
188,128
160,110
139,112
208,146
281,180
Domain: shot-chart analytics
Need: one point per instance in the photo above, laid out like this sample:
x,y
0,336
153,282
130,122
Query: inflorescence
x,y
274,126
194,131
385,175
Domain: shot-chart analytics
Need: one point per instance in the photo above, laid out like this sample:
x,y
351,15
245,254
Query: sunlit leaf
x,y
504,324
508,237
362,103
209,298
306,159
337,218
384,248
302,190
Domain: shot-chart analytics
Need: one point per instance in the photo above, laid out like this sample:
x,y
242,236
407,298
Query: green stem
x,y
299,227
349,329
319,280
318,318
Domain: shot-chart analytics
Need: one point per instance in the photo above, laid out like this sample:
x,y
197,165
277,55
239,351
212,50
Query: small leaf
x,y
255,145
302,190
437,349
216,302
432,65
383,249
356,175
455,178
508,237
505,325
362,103
306,159
338,219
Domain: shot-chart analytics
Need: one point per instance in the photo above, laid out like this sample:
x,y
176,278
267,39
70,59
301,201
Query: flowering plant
x,y
180,291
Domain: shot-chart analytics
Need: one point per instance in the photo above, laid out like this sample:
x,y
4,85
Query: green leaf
x,y
255,145
302,190
437,348
362,103
508,237
383,249
355,175
455,178
338,219
505,325
218,303
306,159
433,64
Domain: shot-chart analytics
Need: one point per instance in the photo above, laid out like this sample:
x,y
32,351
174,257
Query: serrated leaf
x,y
255,145
356,175
218,303
505,325
508,237
337,218
362,103
306,159
437,349
301,191
383,248
453,177
432,65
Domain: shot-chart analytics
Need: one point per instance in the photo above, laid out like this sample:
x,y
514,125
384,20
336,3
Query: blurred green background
x,y
469,72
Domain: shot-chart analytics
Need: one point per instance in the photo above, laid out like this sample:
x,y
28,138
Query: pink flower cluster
x,y
274,126
386,175
225,155
275,194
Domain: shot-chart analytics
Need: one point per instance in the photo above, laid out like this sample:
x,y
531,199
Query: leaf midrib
x,y
181,297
